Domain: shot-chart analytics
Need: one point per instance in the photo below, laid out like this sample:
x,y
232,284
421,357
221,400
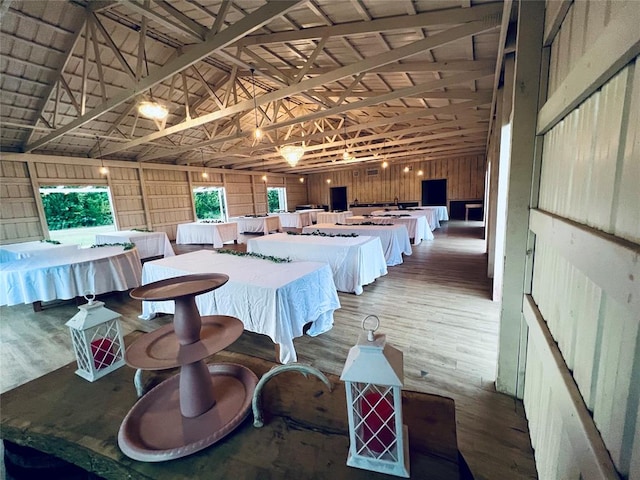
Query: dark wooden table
x,y
305,434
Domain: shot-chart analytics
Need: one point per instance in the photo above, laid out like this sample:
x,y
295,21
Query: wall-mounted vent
x,y
372,172
356,173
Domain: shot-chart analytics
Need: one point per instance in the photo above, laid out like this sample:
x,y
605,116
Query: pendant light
x,y
257,133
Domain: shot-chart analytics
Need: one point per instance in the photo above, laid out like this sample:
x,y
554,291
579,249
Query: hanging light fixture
x,y
152,109
292,153
257,133
205,174
103,170
385,164
345,154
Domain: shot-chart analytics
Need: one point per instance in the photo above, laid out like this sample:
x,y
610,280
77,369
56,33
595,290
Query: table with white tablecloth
x,y
333,217
274,299
17,251
394,238
416,225
62,277
313,213
150,244
430,216
204,233
262,224
355,261
293,219
442,214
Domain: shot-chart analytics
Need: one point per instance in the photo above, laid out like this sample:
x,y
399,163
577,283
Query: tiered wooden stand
x,y
203,403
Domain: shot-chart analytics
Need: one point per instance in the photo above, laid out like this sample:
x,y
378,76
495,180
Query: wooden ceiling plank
x,y
114,49
239,29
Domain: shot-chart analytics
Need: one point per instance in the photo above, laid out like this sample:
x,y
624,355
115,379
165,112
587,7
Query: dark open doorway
x,y
434,192
338,198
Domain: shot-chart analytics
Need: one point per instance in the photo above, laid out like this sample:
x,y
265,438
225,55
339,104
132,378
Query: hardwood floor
x,y
435,307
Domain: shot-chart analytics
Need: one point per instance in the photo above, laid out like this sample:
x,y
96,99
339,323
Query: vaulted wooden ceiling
x,y
399,80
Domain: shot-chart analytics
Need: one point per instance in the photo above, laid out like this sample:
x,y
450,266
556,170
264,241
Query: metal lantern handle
x,y
370,331
89,296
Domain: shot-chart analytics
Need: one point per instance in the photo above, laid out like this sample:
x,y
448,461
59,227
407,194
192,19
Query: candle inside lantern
x,y
376,410
102,351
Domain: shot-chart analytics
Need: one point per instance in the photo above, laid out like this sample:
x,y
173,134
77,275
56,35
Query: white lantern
x,y
97,340
373,376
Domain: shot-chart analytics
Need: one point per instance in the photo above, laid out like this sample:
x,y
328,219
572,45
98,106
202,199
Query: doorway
x,y
434,192
338,197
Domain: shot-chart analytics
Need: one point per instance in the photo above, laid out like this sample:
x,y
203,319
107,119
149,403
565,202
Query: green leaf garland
x,y
127,245
52,242
318,233
255,255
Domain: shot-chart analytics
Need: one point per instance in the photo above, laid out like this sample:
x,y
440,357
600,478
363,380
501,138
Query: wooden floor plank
x,y
435,307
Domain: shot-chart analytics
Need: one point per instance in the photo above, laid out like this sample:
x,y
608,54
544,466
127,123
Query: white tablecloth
x,y
416,225
333,217
294,219
150,244
441,212
394,238
430,215
16,251
313,213
258,224
215,234
355,261
61,277
274,299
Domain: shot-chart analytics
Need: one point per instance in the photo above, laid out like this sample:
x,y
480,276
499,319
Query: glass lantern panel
x,y
374,421
82,356
105,344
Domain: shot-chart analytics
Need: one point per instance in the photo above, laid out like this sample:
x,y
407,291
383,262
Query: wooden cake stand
x,y
203,403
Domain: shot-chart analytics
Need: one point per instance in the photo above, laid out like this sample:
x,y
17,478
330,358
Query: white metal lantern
x,y
373,376
97,340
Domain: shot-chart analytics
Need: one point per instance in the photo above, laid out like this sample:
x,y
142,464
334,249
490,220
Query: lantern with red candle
x,y
97,339
373,376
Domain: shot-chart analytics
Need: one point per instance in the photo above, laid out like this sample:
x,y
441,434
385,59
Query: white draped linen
x,y
354,261
16,251
333,217
313,213
294,219
258,224
430,216
62,277
150,244
273,299
394,238
442,214
416,225
202,233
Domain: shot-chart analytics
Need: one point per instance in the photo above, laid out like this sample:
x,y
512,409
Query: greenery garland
x,y
318,233
211,220
52,242
141,230
255,255
256,216
397,216
127,245
366,223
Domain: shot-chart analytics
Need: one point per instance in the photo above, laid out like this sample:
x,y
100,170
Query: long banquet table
x,y
263,224
394,238
294,219
333,217
442,214
17,251
150,244
274,299
62,277
313,213
430,215
416,225
354,261
204,233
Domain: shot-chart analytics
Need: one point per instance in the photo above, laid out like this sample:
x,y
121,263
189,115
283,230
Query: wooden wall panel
x,y
19,220
463,181
126,194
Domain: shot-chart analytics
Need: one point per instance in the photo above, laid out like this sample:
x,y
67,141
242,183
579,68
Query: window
x,y
277,198
210,203
75,214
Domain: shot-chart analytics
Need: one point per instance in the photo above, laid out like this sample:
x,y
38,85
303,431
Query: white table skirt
x,y
258,224
150,244
333,217
430,215
62,277
394,238
202,233
17,251
313,213
274,299
416,225
354,261
442,213
294,219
